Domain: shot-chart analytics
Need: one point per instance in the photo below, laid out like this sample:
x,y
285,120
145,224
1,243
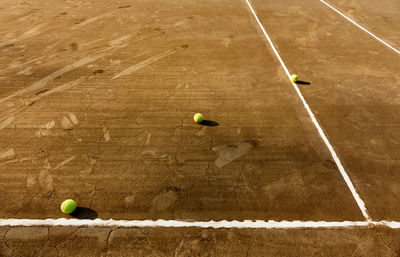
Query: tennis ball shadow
x,y
209,123
84,213
300,82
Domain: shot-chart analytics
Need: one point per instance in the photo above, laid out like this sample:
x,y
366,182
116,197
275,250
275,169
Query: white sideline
x,y
359,26
358,199
261,224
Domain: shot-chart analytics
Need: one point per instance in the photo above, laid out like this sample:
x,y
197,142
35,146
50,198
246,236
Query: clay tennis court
x,y
97,101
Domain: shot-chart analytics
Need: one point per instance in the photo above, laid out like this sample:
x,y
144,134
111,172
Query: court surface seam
x,y
345,176
359,26
270,224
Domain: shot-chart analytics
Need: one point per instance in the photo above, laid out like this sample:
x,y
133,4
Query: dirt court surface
x,y
97,100
61,241
109,122
354,92
377,16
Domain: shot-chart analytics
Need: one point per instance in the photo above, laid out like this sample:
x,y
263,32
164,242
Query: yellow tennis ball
x,y
68,206
198,117
294,78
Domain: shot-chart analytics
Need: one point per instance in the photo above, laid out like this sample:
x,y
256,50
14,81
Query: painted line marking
x,y
359,26
350,185
270,224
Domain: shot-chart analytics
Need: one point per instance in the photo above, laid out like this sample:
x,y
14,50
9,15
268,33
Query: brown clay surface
x,y
85,242
97,103
354,93
380,17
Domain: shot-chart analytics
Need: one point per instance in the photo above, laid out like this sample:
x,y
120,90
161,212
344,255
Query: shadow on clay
x,y
300,82
209,123
84,213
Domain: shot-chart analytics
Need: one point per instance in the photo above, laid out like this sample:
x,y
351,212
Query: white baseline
x,y
359,26
350,185
260,224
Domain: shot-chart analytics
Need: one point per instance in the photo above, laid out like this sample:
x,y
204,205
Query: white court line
x,y
261,224
358,199
181,224
359,26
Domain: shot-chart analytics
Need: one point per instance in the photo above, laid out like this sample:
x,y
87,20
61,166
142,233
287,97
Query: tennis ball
x,y
68,206
294,78
198,117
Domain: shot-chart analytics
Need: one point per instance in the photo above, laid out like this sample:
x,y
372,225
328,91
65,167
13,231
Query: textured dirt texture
x,y
85,242
379,17
97,100
354,93
97,103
